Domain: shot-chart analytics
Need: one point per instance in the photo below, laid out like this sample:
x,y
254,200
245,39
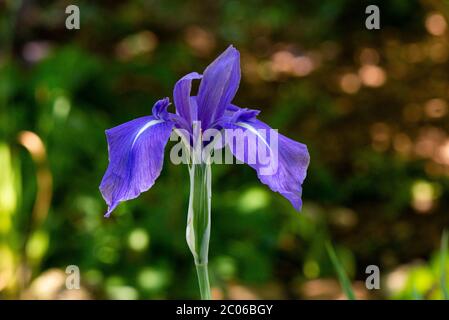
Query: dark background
x,y
371,105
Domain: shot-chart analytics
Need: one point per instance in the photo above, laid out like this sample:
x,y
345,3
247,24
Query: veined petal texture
x,y
136,155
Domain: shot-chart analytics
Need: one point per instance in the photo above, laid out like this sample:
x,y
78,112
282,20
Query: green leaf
x,y
343,278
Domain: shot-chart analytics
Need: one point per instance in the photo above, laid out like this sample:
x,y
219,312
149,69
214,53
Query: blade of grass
x,y
343,278
443,258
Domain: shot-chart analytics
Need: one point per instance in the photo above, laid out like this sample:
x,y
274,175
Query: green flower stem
x,y
198,222
203,281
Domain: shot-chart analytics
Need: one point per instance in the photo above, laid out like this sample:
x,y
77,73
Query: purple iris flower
x,y
136,148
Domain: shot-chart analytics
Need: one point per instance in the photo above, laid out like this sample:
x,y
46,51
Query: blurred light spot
x,y
436,24
33,143
402,143
425,147
48,284
350,83
320,289
122,293
138,239
302,66
117,289
93,277
114,281
239,292
344,217
37,245
200,40
90,206
216,293
51,285
372,76
369,56
136,44
311,269
253,199
422,278
397,280
428,141
435,108
423,195
225,267
284,62
443,153
107,254
35,51
270,291
61,107
152,279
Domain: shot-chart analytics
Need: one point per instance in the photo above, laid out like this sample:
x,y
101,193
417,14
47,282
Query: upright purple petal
x,y
136,155
281,163
160,109
218,87
181,95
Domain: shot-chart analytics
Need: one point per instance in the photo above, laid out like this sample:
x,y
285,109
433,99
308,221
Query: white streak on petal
x,y
253,130
145,127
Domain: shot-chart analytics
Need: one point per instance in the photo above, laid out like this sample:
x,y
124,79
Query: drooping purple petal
x,y
183,101
281,163
218,87
136,155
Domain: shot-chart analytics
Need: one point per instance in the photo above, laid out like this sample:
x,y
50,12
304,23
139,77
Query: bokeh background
x,y
372,106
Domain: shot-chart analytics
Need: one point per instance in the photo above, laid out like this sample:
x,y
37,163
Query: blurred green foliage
x,y
372,106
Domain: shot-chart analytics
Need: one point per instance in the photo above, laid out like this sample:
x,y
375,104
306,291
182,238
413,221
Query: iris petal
x,y
136,156
160,109
281,163
181,95
218,87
